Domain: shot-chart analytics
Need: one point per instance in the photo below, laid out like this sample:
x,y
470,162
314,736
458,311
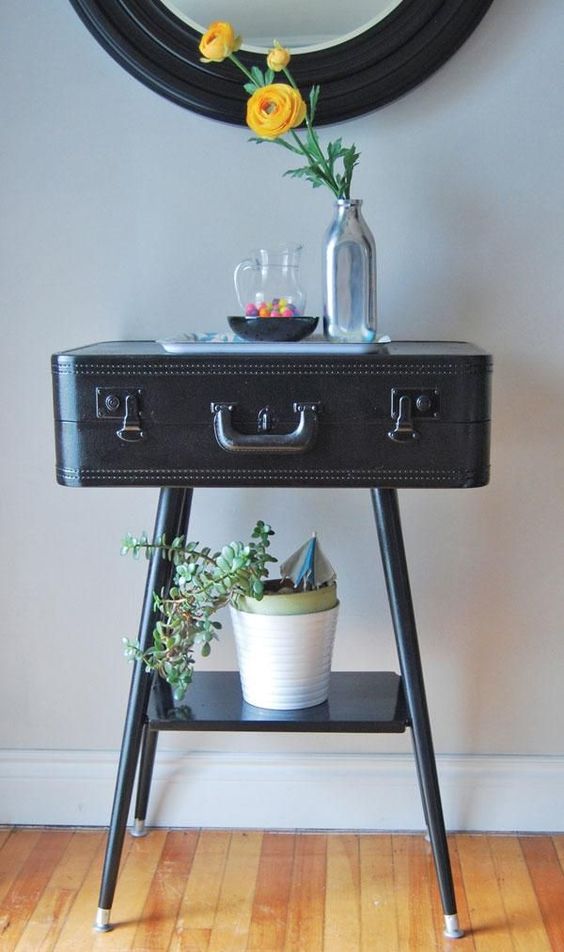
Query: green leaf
x,y
313,97
334,151
269,77
308,173
350,160
297,173
250,88
256,73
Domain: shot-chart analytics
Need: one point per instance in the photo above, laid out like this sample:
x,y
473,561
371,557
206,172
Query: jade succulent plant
x,y
203,582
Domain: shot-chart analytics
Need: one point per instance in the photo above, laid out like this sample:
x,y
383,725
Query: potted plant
x,y
285,639
284,628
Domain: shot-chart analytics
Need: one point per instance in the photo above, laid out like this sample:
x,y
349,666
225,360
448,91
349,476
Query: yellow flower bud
x,y
278,57
274,110
218,42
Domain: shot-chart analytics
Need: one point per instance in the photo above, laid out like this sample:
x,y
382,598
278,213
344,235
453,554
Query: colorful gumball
x,y
251,310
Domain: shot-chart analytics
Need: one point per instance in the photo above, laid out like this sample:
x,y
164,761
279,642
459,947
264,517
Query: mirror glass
x,y
303,27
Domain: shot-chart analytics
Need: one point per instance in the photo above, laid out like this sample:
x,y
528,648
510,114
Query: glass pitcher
x,y
268,283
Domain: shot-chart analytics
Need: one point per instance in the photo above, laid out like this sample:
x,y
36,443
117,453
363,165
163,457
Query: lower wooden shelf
x,y
358,702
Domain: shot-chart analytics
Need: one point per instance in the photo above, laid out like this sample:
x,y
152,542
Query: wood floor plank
x,y
191,940
161,907
198,906
412,883
378,909
518,894
489,922
269,914
342,894
15,851
548,881
5,832
231,925
306,904
48,917
558,841
27,887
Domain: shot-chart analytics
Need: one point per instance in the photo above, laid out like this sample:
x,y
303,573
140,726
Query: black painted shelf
x,y
358,702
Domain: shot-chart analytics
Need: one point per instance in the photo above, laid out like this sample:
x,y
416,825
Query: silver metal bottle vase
x,y
349,276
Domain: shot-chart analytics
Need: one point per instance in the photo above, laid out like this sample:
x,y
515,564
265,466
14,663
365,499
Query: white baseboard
x,y
287,791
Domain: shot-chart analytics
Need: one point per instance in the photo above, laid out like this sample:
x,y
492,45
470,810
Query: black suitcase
x,y
403,414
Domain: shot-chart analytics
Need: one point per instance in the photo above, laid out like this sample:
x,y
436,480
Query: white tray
x,y
225,343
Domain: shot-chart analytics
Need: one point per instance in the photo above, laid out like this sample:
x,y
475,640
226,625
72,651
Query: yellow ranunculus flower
x,y
274,110
278,57
218,42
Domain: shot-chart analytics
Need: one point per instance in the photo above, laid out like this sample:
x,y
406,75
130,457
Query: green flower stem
x,y
314,137
322,168
243,68
290,78
326,176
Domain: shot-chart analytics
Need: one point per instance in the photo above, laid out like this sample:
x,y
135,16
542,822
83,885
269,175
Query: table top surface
x,y
136,349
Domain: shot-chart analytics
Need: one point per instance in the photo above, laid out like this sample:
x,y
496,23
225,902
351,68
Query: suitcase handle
x,y
298,441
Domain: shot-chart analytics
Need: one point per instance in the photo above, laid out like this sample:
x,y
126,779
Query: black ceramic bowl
x,y
272,328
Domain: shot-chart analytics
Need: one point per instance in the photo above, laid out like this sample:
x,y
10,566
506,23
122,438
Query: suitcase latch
x,y
265,420
119,404
409,405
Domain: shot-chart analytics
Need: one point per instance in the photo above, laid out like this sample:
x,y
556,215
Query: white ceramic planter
x,y
285,659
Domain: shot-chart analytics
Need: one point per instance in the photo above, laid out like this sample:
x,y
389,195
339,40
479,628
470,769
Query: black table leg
x,y
150,737
146,764
386,511
170,514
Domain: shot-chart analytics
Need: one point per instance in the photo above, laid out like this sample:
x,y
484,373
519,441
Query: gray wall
x,y
122,216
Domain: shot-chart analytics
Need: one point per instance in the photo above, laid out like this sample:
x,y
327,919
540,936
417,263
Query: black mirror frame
x,y
357,76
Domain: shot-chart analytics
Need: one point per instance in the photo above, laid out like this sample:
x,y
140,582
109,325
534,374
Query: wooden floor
x,y
216,891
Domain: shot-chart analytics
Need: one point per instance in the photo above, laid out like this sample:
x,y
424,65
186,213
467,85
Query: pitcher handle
x,y
246,265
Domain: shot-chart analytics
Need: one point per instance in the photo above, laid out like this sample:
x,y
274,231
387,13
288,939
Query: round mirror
x,y
364,54
303,28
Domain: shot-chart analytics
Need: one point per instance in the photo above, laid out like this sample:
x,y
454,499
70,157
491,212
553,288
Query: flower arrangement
x,y
276,109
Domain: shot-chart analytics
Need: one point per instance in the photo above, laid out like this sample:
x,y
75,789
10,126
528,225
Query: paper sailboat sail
x,y
308,567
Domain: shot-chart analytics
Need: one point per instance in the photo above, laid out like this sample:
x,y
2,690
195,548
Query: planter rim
x,y
290,603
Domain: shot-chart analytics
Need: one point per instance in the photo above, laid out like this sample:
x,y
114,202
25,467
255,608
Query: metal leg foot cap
x,y
102,923
452,928
138,828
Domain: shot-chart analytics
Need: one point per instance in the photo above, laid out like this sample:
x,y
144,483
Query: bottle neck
x,y
348,208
